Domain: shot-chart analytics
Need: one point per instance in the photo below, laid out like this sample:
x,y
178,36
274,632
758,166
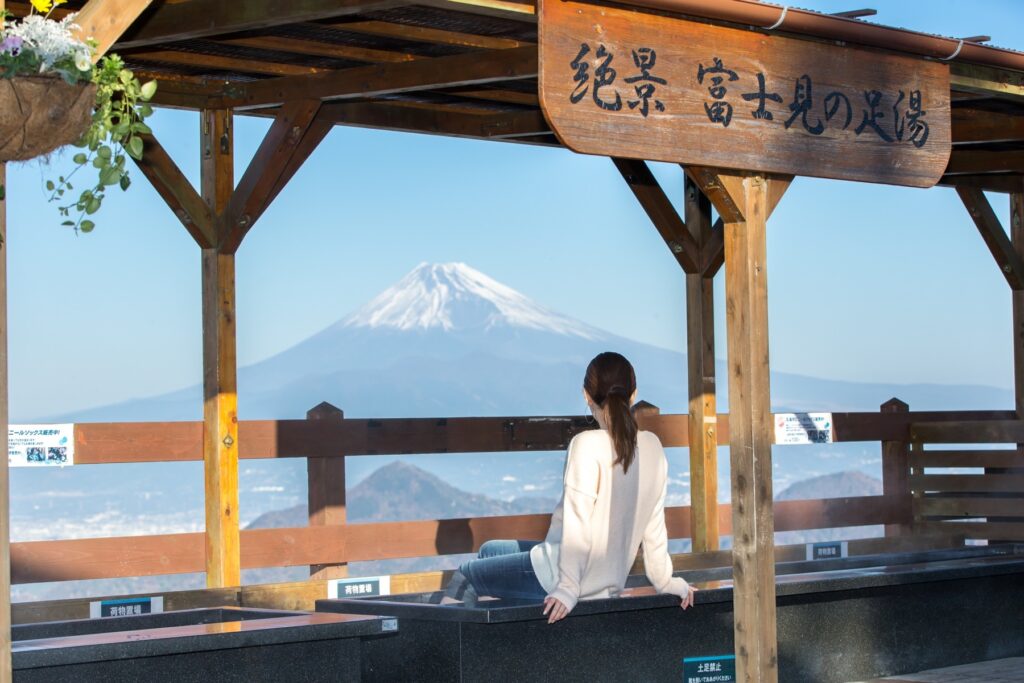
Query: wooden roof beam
x,y
978,125
969,162
1008,182
1009,262
659,209
437,120
176,190
474,68
276,160
199,60
169,22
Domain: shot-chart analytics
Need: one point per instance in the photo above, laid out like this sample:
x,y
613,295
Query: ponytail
x,y
610,381
621,426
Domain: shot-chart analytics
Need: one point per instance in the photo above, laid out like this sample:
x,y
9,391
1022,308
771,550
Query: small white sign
x,y
126,607
803,428
41,445
359,587
828,550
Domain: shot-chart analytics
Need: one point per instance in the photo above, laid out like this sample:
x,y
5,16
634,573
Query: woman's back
x,y
603,517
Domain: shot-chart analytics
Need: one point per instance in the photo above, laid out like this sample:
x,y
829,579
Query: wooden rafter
x,y
104,21
262,179
187,19
1007,258
176,190
474,68
659,208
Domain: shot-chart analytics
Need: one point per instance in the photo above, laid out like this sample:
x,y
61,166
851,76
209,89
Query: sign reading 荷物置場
x,y
827,550
803,428
717,669
359,587
628,83
126,607
40,445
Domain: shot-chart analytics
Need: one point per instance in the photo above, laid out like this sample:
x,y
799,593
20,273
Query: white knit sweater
x,y
601,520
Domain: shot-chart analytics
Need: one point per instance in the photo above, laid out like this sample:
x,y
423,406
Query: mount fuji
x,y
447,340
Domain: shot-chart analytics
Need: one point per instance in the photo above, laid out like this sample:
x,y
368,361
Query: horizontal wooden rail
x,y
991,531
970,507
968,431
982,458
303,595
988,483
95,558
123,442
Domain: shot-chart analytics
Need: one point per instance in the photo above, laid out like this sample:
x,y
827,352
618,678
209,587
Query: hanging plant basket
x,y
40,113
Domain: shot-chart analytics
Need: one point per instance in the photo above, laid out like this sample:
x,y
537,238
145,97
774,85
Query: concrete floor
x,y
997,671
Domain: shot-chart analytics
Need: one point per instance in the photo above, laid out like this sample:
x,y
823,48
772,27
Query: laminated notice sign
x,y
803,428
41,445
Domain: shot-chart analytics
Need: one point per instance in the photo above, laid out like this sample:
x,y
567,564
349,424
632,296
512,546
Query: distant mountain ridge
x,y
399,492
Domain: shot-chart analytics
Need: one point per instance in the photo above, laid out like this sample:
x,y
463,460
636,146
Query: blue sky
x,y
866,282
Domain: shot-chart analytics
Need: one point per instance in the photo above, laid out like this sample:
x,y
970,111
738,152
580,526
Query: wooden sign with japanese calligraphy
x,y
625,83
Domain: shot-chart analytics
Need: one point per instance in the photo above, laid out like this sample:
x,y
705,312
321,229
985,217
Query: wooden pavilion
x,y
722,87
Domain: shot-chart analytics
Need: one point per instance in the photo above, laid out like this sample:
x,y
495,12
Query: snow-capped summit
x,y
453,296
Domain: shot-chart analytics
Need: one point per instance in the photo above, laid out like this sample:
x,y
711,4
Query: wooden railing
x,y
988,505
332,440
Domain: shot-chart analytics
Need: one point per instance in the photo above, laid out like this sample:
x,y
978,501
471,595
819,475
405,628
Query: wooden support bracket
x,y
275,161
666,219
104,21
179,194
1008,260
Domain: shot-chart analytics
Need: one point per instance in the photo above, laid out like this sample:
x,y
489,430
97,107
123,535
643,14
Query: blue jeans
x,y
503,570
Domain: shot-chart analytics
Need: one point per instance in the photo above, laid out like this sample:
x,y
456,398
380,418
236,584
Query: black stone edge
x,y
136,622
148,644
788,586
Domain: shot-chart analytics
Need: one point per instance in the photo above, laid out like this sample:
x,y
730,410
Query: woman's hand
x,y
556,608
688,600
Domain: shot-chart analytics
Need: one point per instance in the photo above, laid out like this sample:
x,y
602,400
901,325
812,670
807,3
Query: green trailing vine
x,y
114,135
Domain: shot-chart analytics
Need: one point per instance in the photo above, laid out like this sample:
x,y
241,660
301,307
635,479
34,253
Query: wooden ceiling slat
x,y
387,29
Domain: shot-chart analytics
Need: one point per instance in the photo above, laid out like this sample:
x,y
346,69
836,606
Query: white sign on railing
x,y
41,445
803,428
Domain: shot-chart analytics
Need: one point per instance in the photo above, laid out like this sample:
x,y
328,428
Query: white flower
x,y
82,61
51,40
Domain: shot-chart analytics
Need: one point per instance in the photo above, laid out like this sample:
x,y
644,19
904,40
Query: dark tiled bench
x,y
882,616
221,644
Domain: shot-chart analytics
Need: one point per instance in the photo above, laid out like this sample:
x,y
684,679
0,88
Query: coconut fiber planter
x,y
38,114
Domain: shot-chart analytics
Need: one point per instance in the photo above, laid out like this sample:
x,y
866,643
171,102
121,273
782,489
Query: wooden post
x,y
896,472
326,493
220,400
1017,238
744,202
5,530
700,356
